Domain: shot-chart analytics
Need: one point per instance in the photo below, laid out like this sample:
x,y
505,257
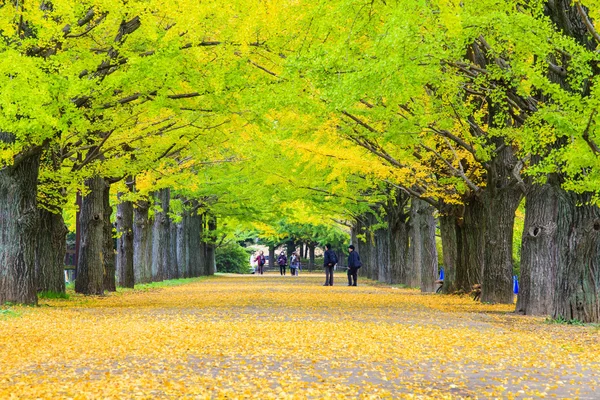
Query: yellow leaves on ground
x,y
285,337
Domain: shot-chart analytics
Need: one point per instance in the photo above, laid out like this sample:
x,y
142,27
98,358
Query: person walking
x,y
353,265
329,262
294,264
261,261
282,262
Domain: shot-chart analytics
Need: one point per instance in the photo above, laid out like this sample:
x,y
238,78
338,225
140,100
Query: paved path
x,y
284,337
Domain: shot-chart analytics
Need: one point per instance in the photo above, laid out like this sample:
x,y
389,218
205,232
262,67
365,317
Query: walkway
x,y
284,337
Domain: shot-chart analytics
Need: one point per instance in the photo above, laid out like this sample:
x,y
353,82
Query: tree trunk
x,y
539,250
211,247
429,256
182,238
382,249
19,229
160,236
471,246
125,270
90,265
398,228
142,244
173,270
577,292
311,257
50,252
501,199
448,231
272,256
108,253
195,246
414,270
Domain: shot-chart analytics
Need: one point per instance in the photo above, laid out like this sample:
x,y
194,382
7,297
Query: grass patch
x,y
8,313
162,284
52,295
561,320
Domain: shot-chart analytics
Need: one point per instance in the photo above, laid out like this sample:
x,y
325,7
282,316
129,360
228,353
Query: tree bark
x,y
211,246
50,252
382,249
311,256
449,233
501,199
195,246
415,258
19,223
109,254
271,256
160,236
397,220
142,244
429,256
471,246
173,270
577,292
539,249
125,270
90,265
182,238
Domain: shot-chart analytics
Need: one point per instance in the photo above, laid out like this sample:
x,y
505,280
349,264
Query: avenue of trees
x,y
184,125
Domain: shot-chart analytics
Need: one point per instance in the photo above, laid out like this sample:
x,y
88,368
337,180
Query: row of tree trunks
x,y
404,251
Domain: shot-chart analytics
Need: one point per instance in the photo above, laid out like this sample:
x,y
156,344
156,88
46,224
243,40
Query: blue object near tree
x,y
441,274
515,285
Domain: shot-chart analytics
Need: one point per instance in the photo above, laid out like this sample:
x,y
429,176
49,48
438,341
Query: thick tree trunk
x,y
449,234
272,256
109,252
50,252
18,227
125,270
399,241
90,265
501,199
539,249
182,238
173,270
160,236
429,256
311,257
195,246
471,246
211,247
577,292
371,256
382,249
414,269
142,244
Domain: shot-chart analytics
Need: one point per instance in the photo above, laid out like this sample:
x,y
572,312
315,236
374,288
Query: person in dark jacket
x,y
282,261
329,261
353,265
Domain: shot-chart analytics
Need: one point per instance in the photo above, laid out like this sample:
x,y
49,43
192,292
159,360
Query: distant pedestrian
x,y
261,261
353,265
294,264
282,262
329,262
